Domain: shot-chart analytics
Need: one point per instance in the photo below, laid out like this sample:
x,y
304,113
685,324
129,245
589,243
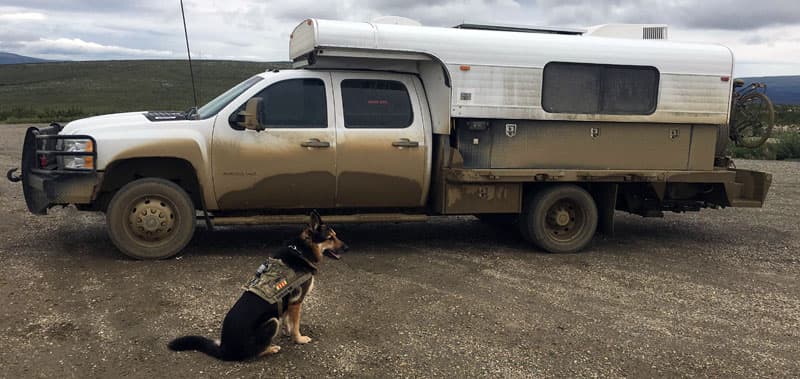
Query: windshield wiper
x,y
190,112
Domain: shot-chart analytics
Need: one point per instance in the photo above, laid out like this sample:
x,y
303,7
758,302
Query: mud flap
x,y
605,197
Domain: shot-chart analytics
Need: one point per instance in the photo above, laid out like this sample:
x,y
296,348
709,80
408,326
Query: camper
x,y
549,130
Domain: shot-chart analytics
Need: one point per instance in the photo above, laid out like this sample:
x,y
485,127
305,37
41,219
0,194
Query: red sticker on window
x,y
381,102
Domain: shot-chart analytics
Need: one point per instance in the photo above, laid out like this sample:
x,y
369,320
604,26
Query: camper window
x,y
599,89
376,104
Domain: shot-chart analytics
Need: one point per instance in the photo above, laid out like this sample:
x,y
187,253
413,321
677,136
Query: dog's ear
x,y
314,221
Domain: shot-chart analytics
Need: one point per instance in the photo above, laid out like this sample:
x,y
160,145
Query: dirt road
x,y
710,293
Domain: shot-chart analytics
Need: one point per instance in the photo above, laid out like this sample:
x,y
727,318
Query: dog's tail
x,y
198,343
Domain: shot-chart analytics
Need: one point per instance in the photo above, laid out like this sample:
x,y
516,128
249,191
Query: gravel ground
x,y
713,293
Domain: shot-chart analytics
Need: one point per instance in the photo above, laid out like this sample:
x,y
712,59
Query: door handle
x,y
315,142
405,142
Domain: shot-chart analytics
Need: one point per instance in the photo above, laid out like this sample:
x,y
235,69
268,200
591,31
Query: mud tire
x,y
173,204
567,204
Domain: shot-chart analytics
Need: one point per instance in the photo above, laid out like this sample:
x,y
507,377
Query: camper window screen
x,y
599,89
376,104
295,103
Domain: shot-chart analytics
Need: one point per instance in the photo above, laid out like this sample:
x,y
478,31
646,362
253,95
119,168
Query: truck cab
x,y
324,139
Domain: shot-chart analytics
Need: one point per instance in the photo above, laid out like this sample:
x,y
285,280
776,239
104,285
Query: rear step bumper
x,y
749,188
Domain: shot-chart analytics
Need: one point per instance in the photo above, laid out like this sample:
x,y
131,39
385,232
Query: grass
x,y
787,114
786,146
64,91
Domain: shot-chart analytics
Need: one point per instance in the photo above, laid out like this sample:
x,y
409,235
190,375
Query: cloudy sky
x,y
764,34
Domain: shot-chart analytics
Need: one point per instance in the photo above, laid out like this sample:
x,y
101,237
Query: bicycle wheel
x,y
753,120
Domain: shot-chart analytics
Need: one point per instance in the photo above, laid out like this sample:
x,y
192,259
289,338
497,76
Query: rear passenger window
x,y
376,104
295,103
599,89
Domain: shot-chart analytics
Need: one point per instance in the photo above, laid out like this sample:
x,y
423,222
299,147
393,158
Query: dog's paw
x,y
302,339
272,349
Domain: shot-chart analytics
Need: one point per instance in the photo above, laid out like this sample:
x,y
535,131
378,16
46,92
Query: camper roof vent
x,y
654,32
522,28
633,31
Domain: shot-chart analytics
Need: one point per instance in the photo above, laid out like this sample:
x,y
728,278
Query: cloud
x,y
70,47
22,16
94,6
765,31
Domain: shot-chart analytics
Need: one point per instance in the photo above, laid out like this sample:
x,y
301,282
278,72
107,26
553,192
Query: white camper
x,y
501,74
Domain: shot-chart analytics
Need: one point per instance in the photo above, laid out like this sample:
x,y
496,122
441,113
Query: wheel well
x,y
530,189
176,170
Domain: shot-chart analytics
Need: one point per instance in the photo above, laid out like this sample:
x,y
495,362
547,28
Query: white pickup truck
x,y
397,123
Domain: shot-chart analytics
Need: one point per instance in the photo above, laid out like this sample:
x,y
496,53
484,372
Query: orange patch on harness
x,y
280,285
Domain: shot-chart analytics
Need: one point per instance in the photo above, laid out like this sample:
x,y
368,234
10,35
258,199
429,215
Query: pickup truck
x,y
365,136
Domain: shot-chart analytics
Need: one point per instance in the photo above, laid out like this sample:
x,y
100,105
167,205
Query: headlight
x,y
77,145
76,162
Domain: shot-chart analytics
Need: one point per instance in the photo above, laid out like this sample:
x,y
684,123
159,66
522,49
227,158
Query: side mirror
x,y
252,114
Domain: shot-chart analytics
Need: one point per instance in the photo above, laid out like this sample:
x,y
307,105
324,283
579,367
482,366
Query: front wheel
x,y
559,219
150,218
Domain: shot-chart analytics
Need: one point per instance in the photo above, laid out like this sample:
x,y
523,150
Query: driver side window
x,y
293,104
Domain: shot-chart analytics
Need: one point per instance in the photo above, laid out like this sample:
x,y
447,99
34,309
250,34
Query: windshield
x,y
212,107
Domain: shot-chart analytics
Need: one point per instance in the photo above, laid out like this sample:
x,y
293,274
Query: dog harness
x,y
274,280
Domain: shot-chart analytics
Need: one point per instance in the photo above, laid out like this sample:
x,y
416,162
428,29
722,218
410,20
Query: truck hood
x,y
109,121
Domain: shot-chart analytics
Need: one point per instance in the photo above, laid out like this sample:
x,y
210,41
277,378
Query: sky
x,y
764,35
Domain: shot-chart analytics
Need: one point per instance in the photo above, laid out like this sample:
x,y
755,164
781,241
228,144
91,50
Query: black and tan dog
x,y
252,323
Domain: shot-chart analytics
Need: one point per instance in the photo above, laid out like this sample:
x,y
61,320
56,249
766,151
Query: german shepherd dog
x,y
252,323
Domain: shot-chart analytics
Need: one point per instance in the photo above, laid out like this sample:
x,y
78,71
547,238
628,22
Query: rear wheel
x,y
151,218
559,219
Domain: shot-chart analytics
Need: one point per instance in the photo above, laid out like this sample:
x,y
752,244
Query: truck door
x,y
382,144
289,164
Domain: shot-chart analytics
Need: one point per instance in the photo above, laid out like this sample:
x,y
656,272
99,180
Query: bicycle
x,y
753,115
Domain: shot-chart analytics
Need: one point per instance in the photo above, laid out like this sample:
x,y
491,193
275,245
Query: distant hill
x,y
11,58
62,91
780,89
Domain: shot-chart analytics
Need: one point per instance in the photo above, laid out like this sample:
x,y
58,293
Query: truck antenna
x,y
189,53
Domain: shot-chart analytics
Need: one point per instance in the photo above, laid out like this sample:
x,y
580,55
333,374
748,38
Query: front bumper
x,y
44,182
